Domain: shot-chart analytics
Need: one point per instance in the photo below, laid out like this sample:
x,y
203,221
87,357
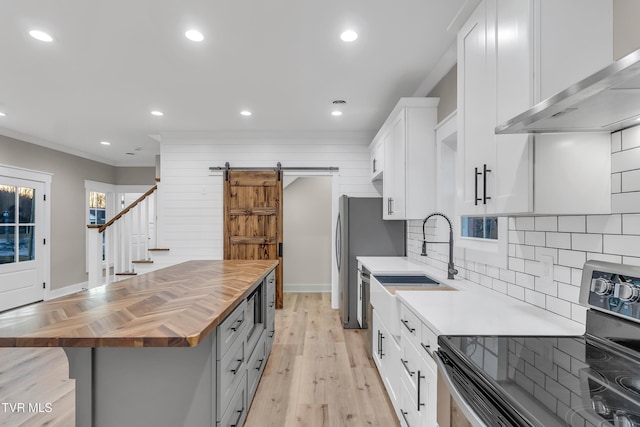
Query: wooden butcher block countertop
x,y
176,306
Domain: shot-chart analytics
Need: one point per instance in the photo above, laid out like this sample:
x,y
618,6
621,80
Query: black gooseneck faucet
x,y
451,270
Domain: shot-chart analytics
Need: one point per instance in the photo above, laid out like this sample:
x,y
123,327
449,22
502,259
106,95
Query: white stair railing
x,y
115,246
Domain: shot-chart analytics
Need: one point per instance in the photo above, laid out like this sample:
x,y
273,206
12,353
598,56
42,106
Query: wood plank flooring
x,y
318,373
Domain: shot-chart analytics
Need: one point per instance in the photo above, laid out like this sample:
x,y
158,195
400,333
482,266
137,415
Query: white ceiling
x,y
112,62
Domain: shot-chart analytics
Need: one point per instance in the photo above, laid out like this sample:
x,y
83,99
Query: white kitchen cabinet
x,y
407,139
511,55
386,353
417,400
377,159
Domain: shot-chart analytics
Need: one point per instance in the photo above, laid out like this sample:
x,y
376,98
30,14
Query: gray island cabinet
x,y
181,346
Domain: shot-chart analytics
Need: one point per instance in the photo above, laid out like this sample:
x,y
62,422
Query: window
x,y
17,224
97,208
480,227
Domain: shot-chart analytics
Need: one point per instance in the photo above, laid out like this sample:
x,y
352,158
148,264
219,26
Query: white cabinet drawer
x,y
236,413
231,328
230,371
410,325
428,344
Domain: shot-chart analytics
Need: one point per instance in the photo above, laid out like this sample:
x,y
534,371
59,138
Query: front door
x,y
21,242
253,218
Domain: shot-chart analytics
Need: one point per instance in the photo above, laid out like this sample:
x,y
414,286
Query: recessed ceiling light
x,y
194,35
348,36
157,113
105,143
245,112
40,35
2,114
336,113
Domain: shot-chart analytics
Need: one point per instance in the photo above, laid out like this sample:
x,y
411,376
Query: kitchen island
x,y
174,347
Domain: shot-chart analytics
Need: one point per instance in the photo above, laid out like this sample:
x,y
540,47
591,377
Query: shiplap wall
x,y
190,200
569,240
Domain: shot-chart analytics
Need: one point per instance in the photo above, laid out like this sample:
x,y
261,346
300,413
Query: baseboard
x,y
312,288
57,293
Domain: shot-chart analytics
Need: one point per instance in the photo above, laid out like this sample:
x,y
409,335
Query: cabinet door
x,y
514,91
476,110
394,175
360,296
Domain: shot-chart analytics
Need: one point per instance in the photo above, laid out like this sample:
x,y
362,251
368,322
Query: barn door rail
x,y
227,168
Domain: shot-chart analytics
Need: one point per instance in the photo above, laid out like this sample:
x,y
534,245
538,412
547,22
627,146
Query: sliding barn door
x,y
253,218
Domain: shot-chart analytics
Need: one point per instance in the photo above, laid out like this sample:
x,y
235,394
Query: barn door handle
x,y
280,249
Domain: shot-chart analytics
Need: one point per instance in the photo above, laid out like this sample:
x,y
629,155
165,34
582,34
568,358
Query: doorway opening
x,y
307,212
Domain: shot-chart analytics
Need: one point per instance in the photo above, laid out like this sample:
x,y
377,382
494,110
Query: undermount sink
x,y
406,280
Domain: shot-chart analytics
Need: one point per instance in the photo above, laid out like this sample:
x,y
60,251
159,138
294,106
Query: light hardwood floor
x,y
318,373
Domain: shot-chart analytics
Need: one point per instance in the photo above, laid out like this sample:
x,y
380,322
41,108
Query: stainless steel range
x,y
590,380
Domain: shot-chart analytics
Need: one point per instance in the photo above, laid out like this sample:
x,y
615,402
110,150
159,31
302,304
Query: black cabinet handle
x,y
406,367
420,377
406,325
237,423
271,334
484,184
262,360
427,348
477,199
404,415
237,368
239,323
374,165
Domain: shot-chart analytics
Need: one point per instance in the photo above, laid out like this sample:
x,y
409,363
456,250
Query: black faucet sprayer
x,y
451,270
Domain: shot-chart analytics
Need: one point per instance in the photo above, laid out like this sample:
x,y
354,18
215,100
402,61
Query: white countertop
x,y
471,309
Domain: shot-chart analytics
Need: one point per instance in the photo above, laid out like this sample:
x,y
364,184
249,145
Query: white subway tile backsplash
x,y
571,258
546,287
631,180
625,202
534,238
493,272
586,242
578,313
574,224
516,264
508,275
523,251
549,252
568,292
516,237
500,286
604,224
631,223
616,182
630,138
515,291
622,245
562,274
559,240
532,267
525,280
486,281
625,160
631,260
546,223
535,298
604,257
576,276
525,223
559,306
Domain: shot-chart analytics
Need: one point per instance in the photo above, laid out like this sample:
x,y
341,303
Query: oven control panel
x,y
614,288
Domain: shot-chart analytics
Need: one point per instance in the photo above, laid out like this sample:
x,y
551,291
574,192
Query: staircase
x,y
126,245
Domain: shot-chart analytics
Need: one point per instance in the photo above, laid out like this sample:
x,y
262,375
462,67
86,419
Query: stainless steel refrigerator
x,y
361,231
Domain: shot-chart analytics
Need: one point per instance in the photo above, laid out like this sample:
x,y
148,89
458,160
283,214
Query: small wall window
x,y
97,208
480,227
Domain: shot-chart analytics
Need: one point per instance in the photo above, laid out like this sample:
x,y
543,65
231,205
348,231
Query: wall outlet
x,y
546,268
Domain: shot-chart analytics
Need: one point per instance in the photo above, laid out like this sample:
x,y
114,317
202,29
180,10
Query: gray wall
x,y
67,200
626,31
447,91
307,233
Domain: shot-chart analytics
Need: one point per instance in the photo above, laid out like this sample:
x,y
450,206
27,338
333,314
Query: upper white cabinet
x,y
511,55
407,139
377,160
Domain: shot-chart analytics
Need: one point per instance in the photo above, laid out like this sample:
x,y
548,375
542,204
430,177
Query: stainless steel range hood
x,y
606,101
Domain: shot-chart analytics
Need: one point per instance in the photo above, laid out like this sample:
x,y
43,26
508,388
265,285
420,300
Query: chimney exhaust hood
x,y
606,101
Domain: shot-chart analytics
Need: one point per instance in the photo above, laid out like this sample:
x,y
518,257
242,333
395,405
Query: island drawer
x,y
236,413
231,328
256,363
229,373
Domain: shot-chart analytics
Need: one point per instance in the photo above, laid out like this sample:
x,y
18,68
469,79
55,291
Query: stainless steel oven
x,y
552,381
